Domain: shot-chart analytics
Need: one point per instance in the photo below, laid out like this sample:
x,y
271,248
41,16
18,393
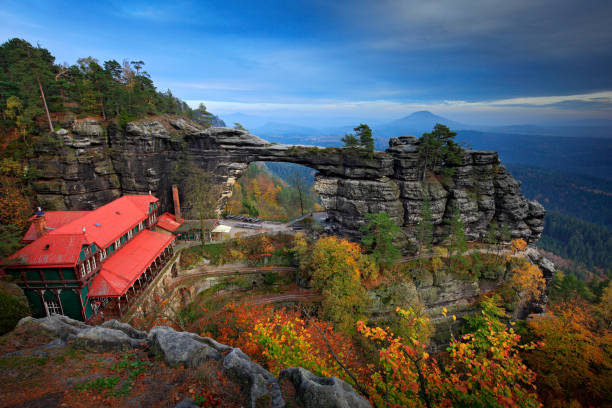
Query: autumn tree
x,y
379,233
407,376
605,305
527,281
337,267
574,364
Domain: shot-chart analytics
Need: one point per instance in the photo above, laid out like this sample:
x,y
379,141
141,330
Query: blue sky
x,y
486,62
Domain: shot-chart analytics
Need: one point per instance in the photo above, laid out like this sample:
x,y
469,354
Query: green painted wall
x,y
36,305
69,274
32,274
88,310
52,274
71,304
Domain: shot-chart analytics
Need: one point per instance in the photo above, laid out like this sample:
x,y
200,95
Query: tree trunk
x,y
42,94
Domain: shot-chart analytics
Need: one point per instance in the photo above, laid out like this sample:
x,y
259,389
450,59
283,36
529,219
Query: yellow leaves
x,y
518,245
527,280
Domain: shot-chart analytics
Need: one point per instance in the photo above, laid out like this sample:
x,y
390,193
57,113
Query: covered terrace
x,y
126,273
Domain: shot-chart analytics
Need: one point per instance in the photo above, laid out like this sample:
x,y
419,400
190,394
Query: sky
x,y
475,61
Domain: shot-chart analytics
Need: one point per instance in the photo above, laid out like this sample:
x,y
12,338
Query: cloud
x,y
515,29
604,97
513,110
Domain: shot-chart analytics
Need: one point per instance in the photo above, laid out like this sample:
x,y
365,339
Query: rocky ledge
x,y
190,350
88,165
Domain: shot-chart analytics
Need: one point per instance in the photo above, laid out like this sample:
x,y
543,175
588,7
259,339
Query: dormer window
x,y
93,263
88,266
117,243
82,270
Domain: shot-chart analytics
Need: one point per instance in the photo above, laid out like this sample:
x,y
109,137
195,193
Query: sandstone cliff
x,y
87,165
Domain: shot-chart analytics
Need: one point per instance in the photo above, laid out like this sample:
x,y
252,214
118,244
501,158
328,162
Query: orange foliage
x,y
282,338
518,245
407,376
14,206
527,280
575,363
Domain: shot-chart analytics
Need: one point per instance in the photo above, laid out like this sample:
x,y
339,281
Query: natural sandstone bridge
x,y
352,183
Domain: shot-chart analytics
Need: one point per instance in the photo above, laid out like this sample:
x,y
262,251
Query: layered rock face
x,y
90,165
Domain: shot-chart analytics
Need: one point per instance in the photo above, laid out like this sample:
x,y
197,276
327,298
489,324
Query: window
x,y
53,307
82,270
102,254
130,234
88,266
94,248
93,263
117,244
140,226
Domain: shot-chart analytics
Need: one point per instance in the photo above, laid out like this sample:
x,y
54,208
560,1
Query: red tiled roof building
x,y
76,262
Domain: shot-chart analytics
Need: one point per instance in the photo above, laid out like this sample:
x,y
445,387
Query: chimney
x,y
177,204
40,224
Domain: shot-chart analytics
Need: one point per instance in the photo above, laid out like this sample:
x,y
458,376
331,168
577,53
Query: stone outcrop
x,y
88,165
190,350
318,392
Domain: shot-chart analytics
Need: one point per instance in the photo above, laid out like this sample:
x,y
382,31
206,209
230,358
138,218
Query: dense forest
x,y
36,93
588,198
258,193
572,238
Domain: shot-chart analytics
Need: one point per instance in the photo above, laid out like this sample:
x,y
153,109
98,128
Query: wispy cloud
x,y
603,97
515,110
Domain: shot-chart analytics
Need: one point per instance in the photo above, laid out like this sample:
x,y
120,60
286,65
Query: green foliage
x,y
350,140
12,309
238,126
111,90
438,150
491,313
380,231
585,197
425,227
580,241
457,242
337,266
364,133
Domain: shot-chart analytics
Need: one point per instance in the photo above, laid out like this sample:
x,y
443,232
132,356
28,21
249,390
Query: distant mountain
x,y
248,121
415,124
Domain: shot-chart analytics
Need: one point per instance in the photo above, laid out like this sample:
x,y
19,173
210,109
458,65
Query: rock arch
x,y
89,169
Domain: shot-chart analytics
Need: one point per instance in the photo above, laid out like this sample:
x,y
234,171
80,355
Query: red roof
x,y
103,226
106,224
50,250
168,222
54,220
122,269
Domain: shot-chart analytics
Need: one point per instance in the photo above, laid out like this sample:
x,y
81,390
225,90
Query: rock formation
x,y
190,350
89,165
